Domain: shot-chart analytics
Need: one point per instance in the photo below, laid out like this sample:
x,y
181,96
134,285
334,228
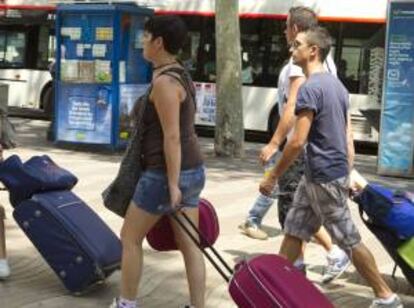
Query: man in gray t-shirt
x,y
327,151
323,129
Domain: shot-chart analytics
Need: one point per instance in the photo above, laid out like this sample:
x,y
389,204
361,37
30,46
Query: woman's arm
x,y
167,95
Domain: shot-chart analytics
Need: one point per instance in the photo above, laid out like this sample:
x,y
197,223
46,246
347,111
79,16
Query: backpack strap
x,y
183,78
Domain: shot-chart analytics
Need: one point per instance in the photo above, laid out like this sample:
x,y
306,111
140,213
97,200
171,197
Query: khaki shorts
x,y
317,204
288,183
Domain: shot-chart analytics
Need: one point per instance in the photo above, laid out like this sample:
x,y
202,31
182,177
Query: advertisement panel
x,y
397,117
85,114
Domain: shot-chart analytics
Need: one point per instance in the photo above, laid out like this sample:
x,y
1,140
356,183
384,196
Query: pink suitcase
x,y
272,281
265,281
161,236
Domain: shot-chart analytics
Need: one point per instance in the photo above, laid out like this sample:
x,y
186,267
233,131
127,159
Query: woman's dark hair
x,y
170,28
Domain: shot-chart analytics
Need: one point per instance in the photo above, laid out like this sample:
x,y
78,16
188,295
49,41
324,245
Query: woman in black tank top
x,y
173,167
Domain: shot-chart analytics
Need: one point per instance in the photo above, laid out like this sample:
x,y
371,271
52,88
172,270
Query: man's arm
x,y
286,122
292,150
350,142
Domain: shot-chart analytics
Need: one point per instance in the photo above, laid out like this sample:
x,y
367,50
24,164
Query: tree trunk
x,y
229,131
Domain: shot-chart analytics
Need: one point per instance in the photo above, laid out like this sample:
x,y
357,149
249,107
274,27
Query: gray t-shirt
x,y
326,149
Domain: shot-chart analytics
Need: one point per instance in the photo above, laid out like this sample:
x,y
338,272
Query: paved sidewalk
x,y
232,186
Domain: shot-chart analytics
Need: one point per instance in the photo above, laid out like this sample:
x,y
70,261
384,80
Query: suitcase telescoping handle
x,y
217,266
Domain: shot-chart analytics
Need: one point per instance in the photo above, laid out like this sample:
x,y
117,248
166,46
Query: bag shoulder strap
x,y
181,75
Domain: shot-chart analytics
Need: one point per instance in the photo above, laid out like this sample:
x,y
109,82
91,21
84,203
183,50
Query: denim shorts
x,y
152,193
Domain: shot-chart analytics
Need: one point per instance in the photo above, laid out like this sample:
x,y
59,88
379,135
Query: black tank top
x,y
153,155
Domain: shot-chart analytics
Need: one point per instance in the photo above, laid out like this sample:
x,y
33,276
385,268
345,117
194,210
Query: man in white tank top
x,y
291,78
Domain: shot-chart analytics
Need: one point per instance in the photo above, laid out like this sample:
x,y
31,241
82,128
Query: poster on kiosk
x,y
100,72
396,149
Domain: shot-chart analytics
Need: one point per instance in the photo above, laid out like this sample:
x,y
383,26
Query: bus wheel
x,y
47,102
273,121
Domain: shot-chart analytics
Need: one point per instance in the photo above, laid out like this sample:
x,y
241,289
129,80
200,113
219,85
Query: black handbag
x,y
117,196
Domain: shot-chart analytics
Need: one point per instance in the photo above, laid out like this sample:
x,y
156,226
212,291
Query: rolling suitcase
x,y
380,205
161,236
265,281
36,175
80,248
391,243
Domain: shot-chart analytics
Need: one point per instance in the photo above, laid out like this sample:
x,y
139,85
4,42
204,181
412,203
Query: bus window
x,y
52,48
264,51
2,46
348,65
12,49
198,53
42,60
372,66
349,39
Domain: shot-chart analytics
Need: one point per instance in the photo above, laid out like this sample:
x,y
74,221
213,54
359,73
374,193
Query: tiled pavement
x,y
231,187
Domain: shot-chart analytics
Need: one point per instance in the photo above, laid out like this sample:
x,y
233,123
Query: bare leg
x,y
137,224
323,238
291,247
3,254
193,260
365,264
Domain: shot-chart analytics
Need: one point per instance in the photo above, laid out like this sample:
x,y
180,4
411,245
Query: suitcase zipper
x,y
263,286
67,204
242,292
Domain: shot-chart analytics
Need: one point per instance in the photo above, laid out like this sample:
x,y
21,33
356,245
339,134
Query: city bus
x,y
357,27
26,52
358,30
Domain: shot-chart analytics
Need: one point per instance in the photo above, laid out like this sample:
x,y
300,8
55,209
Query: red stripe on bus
x,y
184,13
211,14
274,16
263,15
28,7
353,19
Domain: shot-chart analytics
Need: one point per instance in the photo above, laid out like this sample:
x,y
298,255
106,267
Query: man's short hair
x,y
303,17
320,37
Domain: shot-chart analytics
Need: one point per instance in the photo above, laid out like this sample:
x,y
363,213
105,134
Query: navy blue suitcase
x,y
80,248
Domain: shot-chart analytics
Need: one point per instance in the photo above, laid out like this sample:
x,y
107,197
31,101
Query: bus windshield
x,y
12,49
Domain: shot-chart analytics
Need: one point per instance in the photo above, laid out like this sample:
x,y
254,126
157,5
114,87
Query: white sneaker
x,y
4,269
336,267
253,231
381,303
114,303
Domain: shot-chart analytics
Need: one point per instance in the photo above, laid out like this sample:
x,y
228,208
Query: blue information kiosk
x,y
396,150
100,72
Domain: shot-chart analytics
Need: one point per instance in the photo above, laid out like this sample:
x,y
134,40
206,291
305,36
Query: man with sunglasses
x,y
323,128
291,78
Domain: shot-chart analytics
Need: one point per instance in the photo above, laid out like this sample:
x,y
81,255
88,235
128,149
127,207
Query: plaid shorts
x,y
288,183
317,204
